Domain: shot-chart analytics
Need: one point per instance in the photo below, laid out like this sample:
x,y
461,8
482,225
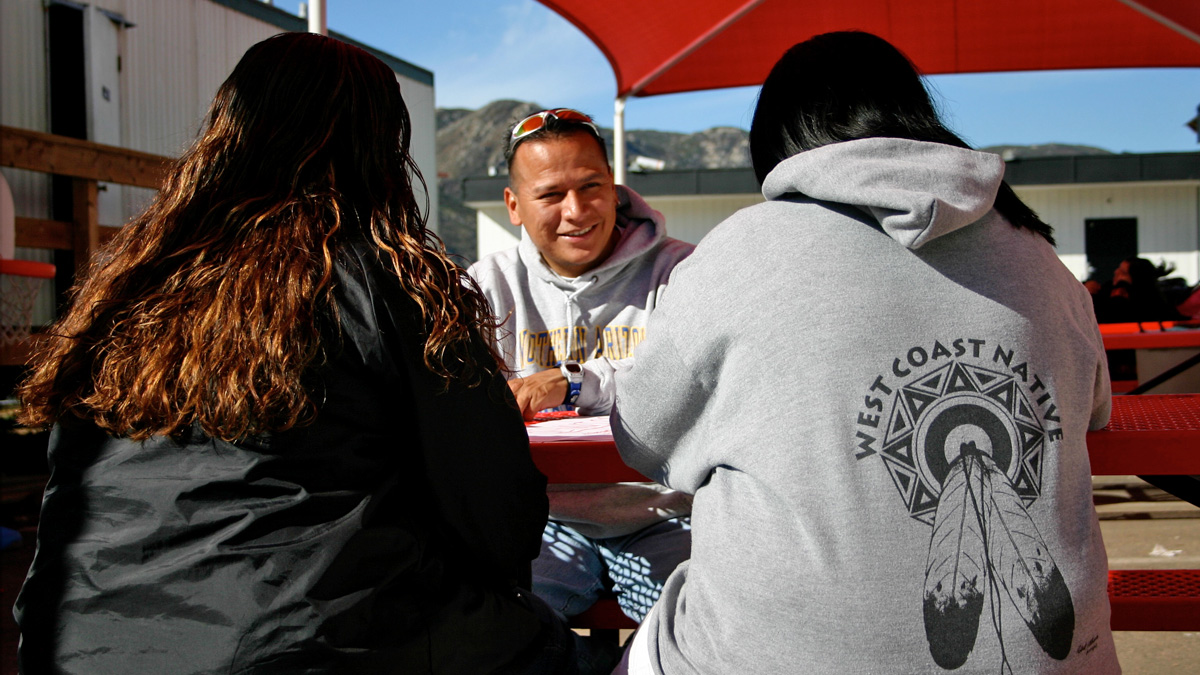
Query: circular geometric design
x,y
935,414
955,420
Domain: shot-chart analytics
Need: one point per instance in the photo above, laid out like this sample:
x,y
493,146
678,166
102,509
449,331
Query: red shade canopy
x,y
669,46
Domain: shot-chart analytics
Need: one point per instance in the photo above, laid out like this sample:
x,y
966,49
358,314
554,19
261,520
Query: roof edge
x,y
1063,170
1089,169
285,20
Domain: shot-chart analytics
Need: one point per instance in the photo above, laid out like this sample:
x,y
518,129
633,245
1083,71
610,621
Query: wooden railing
x,y
87,164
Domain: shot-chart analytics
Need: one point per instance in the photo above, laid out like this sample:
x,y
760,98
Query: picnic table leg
x,y
612,635
1164,376
1186,488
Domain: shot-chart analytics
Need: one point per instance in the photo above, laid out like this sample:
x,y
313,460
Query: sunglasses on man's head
x,y
536,121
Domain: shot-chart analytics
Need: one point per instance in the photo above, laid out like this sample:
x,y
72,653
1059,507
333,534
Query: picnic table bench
x,y
1166,351
1148,435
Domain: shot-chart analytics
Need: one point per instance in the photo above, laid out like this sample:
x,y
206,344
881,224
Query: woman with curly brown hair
x,y
281,441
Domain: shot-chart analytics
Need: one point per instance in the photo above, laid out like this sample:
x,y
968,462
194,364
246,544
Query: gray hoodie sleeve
x,y
656,417
599,385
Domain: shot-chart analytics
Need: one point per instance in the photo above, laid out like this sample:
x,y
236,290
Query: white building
x,y
140,74
1103,208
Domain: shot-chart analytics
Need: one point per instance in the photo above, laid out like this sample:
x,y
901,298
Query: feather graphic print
x,y
1022,564
984,540
955,571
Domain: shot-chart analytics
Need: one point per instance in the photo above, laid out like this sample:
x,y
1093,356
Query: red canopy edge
x,y
670,46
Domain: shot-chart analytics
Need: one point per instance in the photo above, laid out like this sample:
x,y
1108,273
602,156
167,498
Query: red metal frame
x,y
1149,435
1154,599
26,268
583,462
1159,339
605,614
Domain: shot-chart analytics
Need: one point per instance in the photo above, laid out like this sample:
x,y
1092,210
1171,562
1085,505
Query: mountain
x,y
471,142
1010,152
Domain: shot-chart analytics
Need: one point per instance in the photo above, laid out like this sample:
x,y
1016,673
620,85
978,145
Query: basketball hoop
x,y
20,281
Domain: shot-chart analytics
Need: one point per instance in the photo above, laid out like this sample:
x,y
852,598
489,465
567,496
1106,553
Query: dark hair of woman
x,y
847,86
1145,274
1135,295
209,307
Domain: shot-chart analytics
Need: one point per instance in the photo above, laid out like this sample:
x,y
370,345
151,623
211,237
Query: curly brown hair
x,y
209,307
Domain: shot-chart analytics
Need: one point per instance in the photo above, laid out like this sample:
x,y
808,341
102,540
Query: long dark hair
x,y
210,306
850,85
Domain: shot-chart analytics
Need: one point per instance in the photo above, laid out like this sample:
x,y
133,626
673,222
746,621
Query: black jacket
x,y
387,536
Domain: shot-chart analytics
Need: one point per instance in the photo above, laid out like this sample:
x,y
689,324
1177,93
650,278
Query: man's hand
x,y
546,389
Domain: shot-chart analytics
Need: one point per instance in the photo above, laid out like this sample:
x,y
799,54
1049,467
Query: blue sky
x,y
484,50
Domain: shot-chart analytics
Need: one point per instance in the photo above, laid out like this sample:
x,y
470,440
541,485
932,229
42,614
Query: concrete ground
x,y
1145,528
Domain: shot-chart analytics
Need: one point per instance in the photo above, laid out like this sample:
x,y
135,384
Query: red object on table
x,y
547,416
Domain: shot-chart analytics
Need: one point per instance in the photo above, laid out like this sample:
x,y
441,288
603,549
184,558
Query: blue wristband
x,y
573,372
573,389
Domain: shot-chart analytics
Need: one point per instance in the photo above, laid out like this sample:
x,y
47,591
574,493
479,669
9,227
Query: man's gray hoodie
x,y
597,319
880,403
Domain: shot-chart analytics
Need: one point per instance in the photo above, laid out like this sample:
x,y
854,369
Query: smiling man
x,y
574,297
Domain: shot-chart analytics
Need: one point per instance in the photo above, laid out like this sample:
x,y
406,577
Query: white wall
x,y
690,218
180,53
172,62
23,97
1168,217
419,99
493,232
23,104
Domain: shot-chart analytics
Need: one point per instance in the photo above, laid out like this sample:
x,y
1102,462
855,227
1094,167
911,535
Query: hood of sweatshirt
x,y
639,228
916,191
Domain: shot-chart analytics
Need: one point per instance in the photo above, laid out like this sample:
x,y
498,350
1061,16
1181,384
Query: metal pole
x,y
619,141
316,17
1173,25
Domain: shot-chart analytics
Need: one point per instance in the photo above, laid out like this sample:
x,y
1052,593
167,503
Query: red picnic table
x,y
1151,338
1150,335
1156,435
1153,434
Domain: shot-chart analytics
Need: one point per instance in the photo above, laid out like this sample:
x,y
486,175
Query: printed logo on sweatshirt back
x,y
963,427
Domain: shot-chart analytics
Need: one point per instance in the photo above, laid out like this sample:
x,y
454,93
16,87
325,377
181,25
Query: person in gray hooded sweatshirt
x,y
573,299
877,385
